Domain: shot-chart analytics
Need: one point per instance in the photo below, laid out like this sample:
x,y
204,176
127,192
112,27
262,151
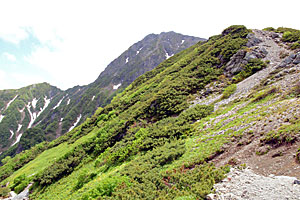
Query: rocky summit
x,y
217,120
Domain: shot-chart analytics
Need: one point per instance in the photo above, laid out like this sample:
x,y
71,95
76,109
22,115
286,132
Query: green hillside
x,y
161,137
68,109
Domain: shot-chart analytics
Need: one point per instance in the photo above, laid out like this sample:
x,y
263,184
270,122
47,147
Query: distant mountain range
x,y
42,112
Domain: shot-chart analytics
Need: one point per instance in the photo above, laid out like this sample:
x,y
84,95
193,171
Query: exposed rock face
x,y
242,57
252,40
236,63
292,59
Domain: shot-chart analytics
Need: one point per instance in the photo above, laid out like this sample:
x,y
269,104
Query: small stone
x,y
297,59
274,35
297,182
211,197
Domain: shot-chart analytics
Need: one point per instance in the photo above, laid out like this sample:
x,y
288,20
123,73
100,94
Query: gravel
x,y
245,184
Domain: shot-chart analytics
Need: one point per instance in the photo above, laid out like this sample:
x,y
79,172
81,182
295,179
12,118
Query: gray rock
x,y
297,59
287,61
236,63
259,52
297,182
274,35
250,56
252,40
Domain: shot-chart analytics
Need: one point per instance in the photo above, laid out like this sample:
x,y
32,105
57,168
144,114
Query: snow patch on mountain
x,y
32,115
22,110
11,101
58,104
47,102
18,140
1,117
115,87
68,101
138,51
12,134
93,98
75,124
19,127
168,56
182,41
33,103
127,59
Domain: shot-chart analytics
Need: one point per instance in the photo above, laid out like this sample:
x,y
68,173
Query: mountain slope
x,y
20,108
70,108
169,134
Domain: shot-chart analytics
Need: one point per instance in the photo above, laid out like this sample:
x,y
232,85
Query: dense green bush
x,y
269,29
291,36
20,183
32,137
295,45
107,187
83,179
253,66
4,191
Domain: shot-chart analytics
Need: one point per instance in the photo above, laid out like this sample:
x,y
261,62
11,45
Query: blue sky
x,y
15,69
68,43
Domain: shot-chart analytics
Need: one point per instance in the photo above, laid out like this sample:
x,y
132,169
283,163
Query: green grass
x,y
46,158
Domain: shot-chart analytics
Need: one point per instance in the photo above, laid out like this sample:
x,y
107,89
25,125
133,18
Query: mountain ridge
x,y
177,129
69,108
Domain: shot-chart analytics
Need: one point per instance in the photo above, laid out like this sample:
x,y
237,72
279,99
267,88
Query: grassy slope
x,y
144,144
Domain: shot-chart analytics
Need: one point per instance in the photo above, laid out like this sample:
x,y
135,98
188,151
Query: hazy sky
x,y
68,43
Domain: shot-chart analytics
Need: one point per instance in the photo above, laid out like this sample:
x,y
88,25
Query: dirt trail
x,y
273,49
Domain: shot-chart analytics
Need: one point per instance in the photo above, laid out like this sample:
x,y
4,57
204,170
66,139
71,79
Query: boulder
x,y
287,61
274,35
236,63
252,40
297,59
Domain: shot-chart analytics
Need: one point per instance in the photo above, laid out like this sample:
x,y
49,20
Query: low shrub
x,y
298,155
269,29
295,45
264,94
229,91
4,191
290,36
83,179
253,66
286,134
20,183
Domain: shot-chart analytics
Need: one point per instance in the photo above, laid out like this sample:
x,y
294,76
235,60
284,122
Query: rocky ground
x,y
262,159
245,184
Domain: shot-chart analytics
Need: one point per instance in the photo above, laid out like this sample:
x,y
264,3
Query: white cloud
x,y
9,56
26,79
13,34
2,78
